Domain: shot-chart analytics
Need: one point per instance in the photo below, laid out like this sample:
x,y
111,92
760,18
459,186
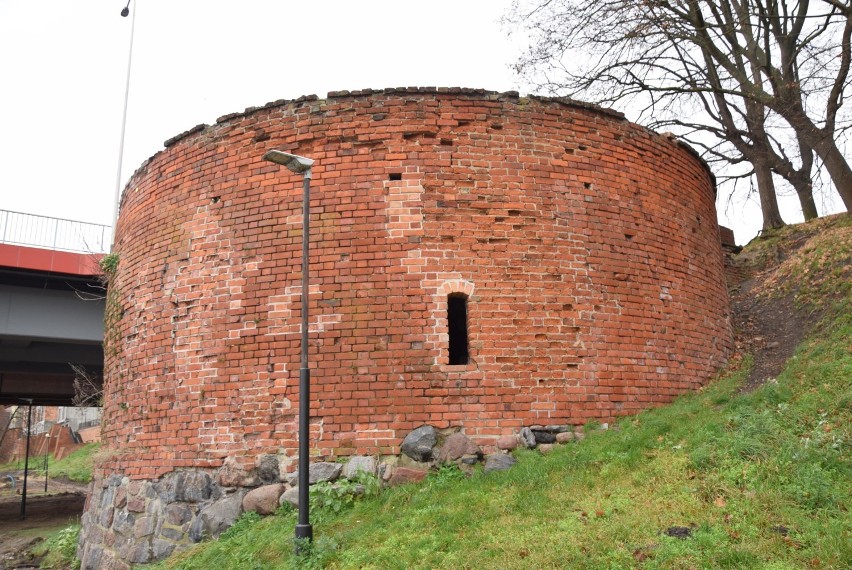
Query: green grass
x,y
59,548
77,466
737,469
761,480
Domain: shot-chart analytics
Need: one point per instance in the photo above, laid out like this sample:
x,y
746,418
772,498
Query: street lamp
x,y
302,165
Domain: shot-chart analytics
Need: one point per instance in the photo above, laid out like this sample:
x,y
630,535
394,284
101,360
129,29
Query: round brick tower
x,y
480,262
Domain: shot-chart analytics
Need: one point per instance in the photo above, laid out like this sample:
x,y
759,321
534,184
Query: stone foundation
x,y
130,522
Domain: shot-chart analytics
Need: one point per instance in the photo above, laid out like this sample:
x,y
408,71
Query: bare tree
x,y
754,74
88,387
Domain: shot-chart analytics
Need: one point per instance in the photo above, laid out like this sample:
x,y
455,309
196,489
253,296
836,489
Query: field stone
x,y
185,486
542,436
120,498
358,464
144,526
231,474
263,500
527,438
123,522
405,475
136,505
318,473
565,437
161,548
139,554
507,442
418,444
267,469
216,518
291,496
545,448
457,446
471,459
177,514
499,462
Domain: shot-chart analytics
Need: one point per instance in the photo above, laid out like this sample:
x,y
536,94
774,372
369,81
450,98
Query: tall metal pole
x,y
123,117
46,460
26,460
302,165
304,530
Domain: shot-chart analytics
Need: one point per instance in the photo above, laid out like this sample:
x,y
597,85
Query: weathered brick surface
x,y
588,247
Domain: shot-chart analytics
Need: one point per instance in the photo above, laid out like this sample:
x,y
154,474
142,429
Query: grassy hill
x,y
722,478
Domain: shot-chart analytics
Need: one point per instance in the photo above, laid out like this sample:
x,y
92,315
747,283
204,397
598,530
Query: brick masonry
x,y
587,246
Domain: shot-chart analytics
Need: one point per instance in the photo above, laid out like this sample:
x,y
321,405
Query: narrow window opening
x,y
395,176
457,325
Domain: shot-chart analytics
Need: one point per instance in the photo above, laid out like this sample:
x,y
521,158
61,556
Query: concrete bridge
x,y
51,306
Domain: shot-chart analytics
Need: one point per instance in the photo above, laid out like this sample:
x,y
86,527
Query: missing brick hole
x,y
582,147
569,151
587,185
215,199
514,212
572,365
446,142
395,176
629,236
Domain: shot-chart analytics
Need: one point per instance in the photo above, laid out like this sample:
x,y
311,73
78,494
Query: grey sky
x,y
63,65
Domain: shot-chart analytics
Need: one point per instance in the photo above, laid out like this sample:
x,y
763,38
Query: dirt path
x,y
768,329
45,514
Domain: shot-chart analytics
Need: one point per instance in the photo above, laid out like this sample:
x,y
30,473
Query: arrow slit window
x,y
457,328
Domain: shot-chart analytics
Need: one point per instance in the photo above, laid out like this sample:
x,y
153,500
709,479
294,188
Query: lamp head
x,y
125,11
294,162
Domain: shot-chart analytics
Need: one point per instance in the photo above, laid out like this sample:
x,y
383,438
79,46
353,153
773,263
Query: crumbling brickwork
x,y
587,247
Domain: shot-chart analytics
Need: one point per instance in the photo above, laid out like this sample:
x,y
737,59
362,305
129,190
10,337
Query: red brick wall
x,y
588,247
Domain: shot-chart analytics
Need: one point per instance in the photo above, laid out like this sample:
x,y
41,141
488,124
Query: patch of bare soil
x,y
44,515
767,322
768,328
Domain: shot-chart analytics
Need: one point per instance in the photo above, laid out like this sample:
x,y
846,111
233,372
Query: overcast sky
x,y
63,67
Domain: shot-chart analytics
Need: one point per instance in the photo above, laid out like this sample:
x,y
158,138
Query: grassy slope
x,y
762,480
77,466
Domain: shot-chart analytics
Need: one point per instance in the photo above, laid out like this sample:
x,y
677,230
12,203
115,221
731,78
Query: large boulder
x,y
419,443
263,500
359,464
291,496
499,462
217,517
456,447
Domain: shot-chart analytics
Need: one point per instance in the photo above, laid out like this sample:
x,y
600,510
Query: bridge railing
x,y
17,228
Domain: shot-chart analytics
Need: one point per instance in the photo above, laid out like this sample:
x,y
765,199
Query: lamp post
x,y
46,456
29,402
302,165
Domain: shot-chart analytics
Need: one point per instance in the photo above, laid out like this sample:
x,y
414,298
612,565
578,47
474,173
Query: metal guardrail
x,y
17,228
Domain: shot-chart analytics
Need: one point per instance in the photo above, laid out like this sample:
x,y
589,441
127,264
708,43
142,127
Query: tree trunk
x,y
837,167
824,146
805,192
766,190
